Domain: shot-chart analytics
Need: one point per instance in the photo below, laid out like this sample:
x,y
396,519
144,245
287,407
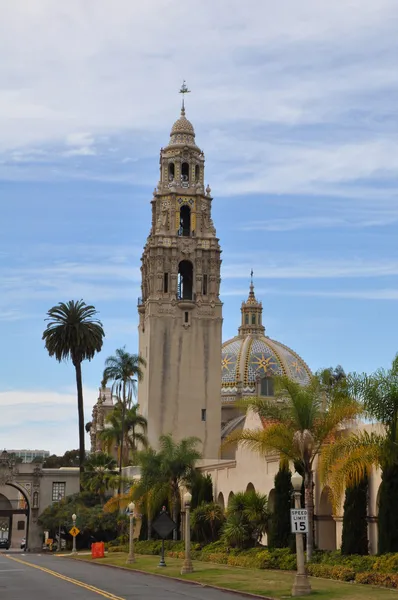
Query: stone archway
x,y
231,495
250,487
271,501
326,522
220,500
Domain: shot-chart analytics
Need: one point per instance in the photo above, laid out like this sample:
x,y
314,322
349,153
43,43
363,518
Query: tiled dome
x,y
182,133
252,355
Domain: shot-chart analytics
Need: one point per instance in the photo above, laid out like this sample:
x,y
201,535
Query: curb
x,y
187,581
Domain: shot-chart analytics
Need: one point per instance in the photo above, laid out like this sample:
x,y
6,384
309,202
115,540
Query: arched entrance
x,y
14,514
250,487
231,495
326,523
220,500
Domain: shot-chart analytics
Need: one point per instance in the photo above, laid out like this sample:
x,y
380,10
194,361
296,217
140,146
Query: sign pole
x,y
301,585
162,561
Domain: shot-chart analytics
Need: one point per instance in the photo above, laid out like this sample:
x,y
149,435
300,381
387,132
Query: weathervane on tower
x,y
184,90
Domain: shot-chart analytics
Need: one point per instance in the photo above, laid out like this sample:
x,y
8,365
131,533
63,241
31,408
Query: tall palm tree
x,y
297,424
125,370
351,458
73,333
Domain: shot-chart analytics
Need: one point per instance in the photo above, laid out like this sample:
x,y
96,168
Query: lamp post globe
x,y
297,482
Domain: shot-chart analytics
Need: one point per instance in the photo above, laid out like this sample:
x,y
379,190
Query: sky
x,y
295,105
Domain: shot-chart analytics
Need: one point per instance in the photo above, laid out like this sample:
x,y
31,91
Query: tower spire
x,y
252,313
184,90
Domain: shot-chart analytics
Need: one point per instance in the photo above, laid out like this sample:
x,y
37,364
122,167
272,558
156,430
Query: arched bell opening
x,y
171,171
185,221
185,173
185,280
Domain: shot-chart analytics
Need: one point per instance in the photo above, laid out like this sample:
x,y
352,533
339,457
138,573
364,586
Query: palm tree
x,y
163,472
73,333
135,427
100,474
124,369
297,424
351,458
246,520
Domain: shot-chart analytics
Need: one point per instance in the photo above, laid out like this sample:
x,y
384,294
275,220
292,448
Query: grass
x,y
277,584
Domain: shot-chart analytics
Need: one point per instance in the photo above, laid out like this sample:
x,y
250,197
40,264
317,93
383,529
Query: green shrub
x,y
118,548
355,526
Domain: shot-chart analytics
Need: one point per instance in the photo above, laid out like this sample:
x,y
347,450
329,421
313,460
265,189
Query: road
x,y
42,577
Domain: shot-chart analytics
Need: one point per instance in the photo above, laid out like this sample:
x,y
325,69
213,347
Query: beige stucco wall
x,y
180,380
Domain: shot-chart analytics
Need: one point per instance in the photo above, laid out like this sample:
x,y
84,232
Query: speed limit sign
x,y
299,519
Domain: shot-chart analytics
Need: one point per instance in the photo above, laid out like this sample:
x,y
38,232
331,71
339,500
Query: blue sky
x,y
295,106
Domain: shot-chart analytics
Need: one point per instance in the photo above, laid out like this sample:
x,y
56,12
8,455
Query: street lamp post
x,y
131,557
74,551
301,585
187,567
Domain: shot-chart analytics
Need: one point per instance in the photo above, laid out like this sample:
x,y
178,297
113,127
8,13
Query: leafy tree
x,y
69,459
73,333
100,474
355,525
279,535
91,520
246,520
298,425
124,369
206,521
350,458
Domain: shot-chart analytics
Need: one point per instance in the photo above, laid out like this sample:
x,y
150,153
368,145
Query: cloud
x,y
304,268
292,97
52,423
375,294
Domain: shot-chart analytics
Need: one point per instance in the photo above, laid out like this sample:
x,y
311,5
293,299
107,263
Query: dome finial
x,y
251,292
184,90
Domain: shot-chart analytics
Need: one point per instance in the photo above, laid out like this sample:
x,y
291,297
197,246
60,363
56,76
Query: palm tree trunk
x,y
309,505
80,410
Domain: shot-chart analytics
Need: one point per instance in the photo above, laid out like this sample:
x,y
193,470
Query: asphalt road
x,y
41,577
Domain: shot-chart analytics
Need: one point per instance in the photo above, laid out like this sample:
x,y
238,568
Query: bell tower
x,y
180,312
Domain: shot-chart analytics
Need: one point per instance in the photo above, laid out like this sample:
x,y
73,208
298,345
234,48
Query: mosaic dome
x,y
182,125
252,355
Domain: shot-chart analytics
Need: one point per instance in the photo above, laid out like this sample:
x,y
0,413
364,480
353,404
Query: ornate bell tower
x,y
180,310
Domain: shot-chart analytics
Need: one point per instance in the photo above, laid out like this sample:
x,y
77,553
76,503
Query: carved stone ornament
x,y
187,246
8,468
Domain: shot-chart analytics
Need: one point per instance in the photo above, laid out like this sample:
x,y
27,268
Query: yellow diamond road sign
x,y
74,531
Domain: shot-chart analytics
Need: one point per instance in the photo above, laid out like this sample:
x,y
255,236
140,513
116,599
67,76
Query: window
x,y
171,171
186,317
185,221
267,387
205,285
185,173
185,280
203,414
21,526
246,319
253,319
166,283
58,490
